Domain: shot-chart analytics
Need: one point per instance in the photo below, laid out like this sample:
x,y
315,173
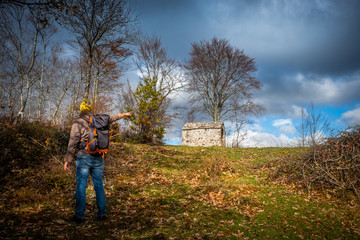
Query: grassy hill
x,y
176,192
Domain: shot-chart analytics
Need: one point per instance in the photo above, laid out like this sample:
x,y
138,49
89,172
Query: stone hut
x,y
203,134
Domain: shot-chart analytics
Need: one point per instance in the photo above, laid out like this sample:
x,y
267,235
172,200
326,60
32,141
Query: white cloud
x,y
261,139
256,127
288,129
320,89
173,141
282,122
285,126
255,137
298,111
351,117
287,94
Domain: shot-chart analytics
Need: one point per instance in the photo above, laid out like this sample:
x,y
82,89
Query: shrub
x,y
147,118
30,144
333,164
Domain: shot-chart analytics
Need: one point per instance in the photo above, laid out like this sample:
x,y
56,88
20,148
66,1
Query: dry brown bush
x,y
335,164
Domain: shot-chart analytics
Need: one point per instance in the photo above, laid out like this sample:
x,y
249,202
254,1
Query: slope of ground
x,y
175,192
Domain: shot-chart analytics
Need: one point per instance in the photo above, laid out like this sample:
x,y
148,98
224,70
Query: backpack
x,y
99,133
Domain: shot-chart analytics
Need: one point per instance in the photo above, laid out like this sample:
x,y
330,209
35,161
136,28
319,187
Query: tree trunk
x,y
58,105
23,99
96,86
77,94
41,91
88,77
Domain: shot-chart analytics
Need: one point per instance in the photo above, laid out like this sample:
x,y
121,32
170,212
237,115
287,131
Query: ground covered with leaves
x,y
175,192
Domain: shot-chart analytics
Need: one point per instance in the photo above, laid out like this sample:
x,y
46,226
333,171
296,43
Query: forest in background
x,y
55,54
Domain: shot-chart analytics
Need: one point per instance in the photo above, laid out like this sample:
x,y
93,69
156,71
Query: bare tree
x,y
97,23
240,117
153,63
67,77
302,128
75,91
238,136
221,77
108,68
318,126
46,41
7,82
314,126
21,27
35,3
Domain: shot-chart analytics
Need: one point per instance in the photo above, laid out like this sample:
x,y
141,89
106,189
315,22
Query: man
x,y
86,163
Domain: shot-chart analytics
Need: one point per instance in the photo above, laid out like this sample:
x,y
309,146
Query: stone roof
x,y
203,125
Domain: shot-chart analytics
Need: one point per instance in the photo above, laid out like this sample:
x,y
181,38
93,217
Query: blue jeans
x,y
94,165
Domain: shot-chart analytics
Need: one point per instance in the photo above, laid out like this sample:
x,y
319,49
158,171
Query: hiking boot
x,y
101,218
77,220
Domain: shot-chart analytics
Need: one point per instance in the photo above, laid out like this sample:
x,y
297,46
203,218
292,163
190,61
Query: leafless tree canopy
x,y
153,62
221,77
31,3
39,81
98,23
314,126
20,29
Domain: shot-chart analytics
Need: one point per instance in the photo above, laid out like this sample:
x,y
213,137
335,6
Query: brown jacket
x,y
80,130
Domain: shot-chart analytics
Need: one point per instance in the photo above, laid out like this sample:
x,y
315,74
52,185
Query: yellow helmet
x,y
86,105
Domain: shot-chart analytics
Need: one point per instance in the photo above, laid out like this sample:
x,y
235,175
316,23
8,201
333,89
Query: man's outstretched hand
x,y
67,167
124,115
128,114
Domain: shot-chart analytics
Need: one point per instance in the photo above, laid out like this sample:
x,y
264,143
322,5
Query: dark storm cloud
x,y
335,50
178,23
320,36
317,36
305,50
283,93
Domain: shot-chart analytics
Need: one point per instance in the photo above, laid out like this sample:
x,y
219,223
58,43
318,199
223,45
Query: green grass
x,y
177,192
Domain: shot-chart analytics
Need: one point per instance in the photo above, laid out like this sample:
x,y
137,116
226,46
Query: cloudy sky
x,y
306,51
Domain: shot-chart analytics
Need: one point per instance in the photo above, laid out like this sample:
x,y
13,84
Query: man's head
x,y
86,105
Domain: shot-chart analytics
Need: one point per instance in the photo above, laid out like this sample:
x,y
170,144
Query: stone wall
x,y
203,134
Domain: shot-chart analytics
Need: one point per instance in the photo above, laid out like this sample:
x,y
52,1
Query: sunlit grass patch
x,y
178,192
